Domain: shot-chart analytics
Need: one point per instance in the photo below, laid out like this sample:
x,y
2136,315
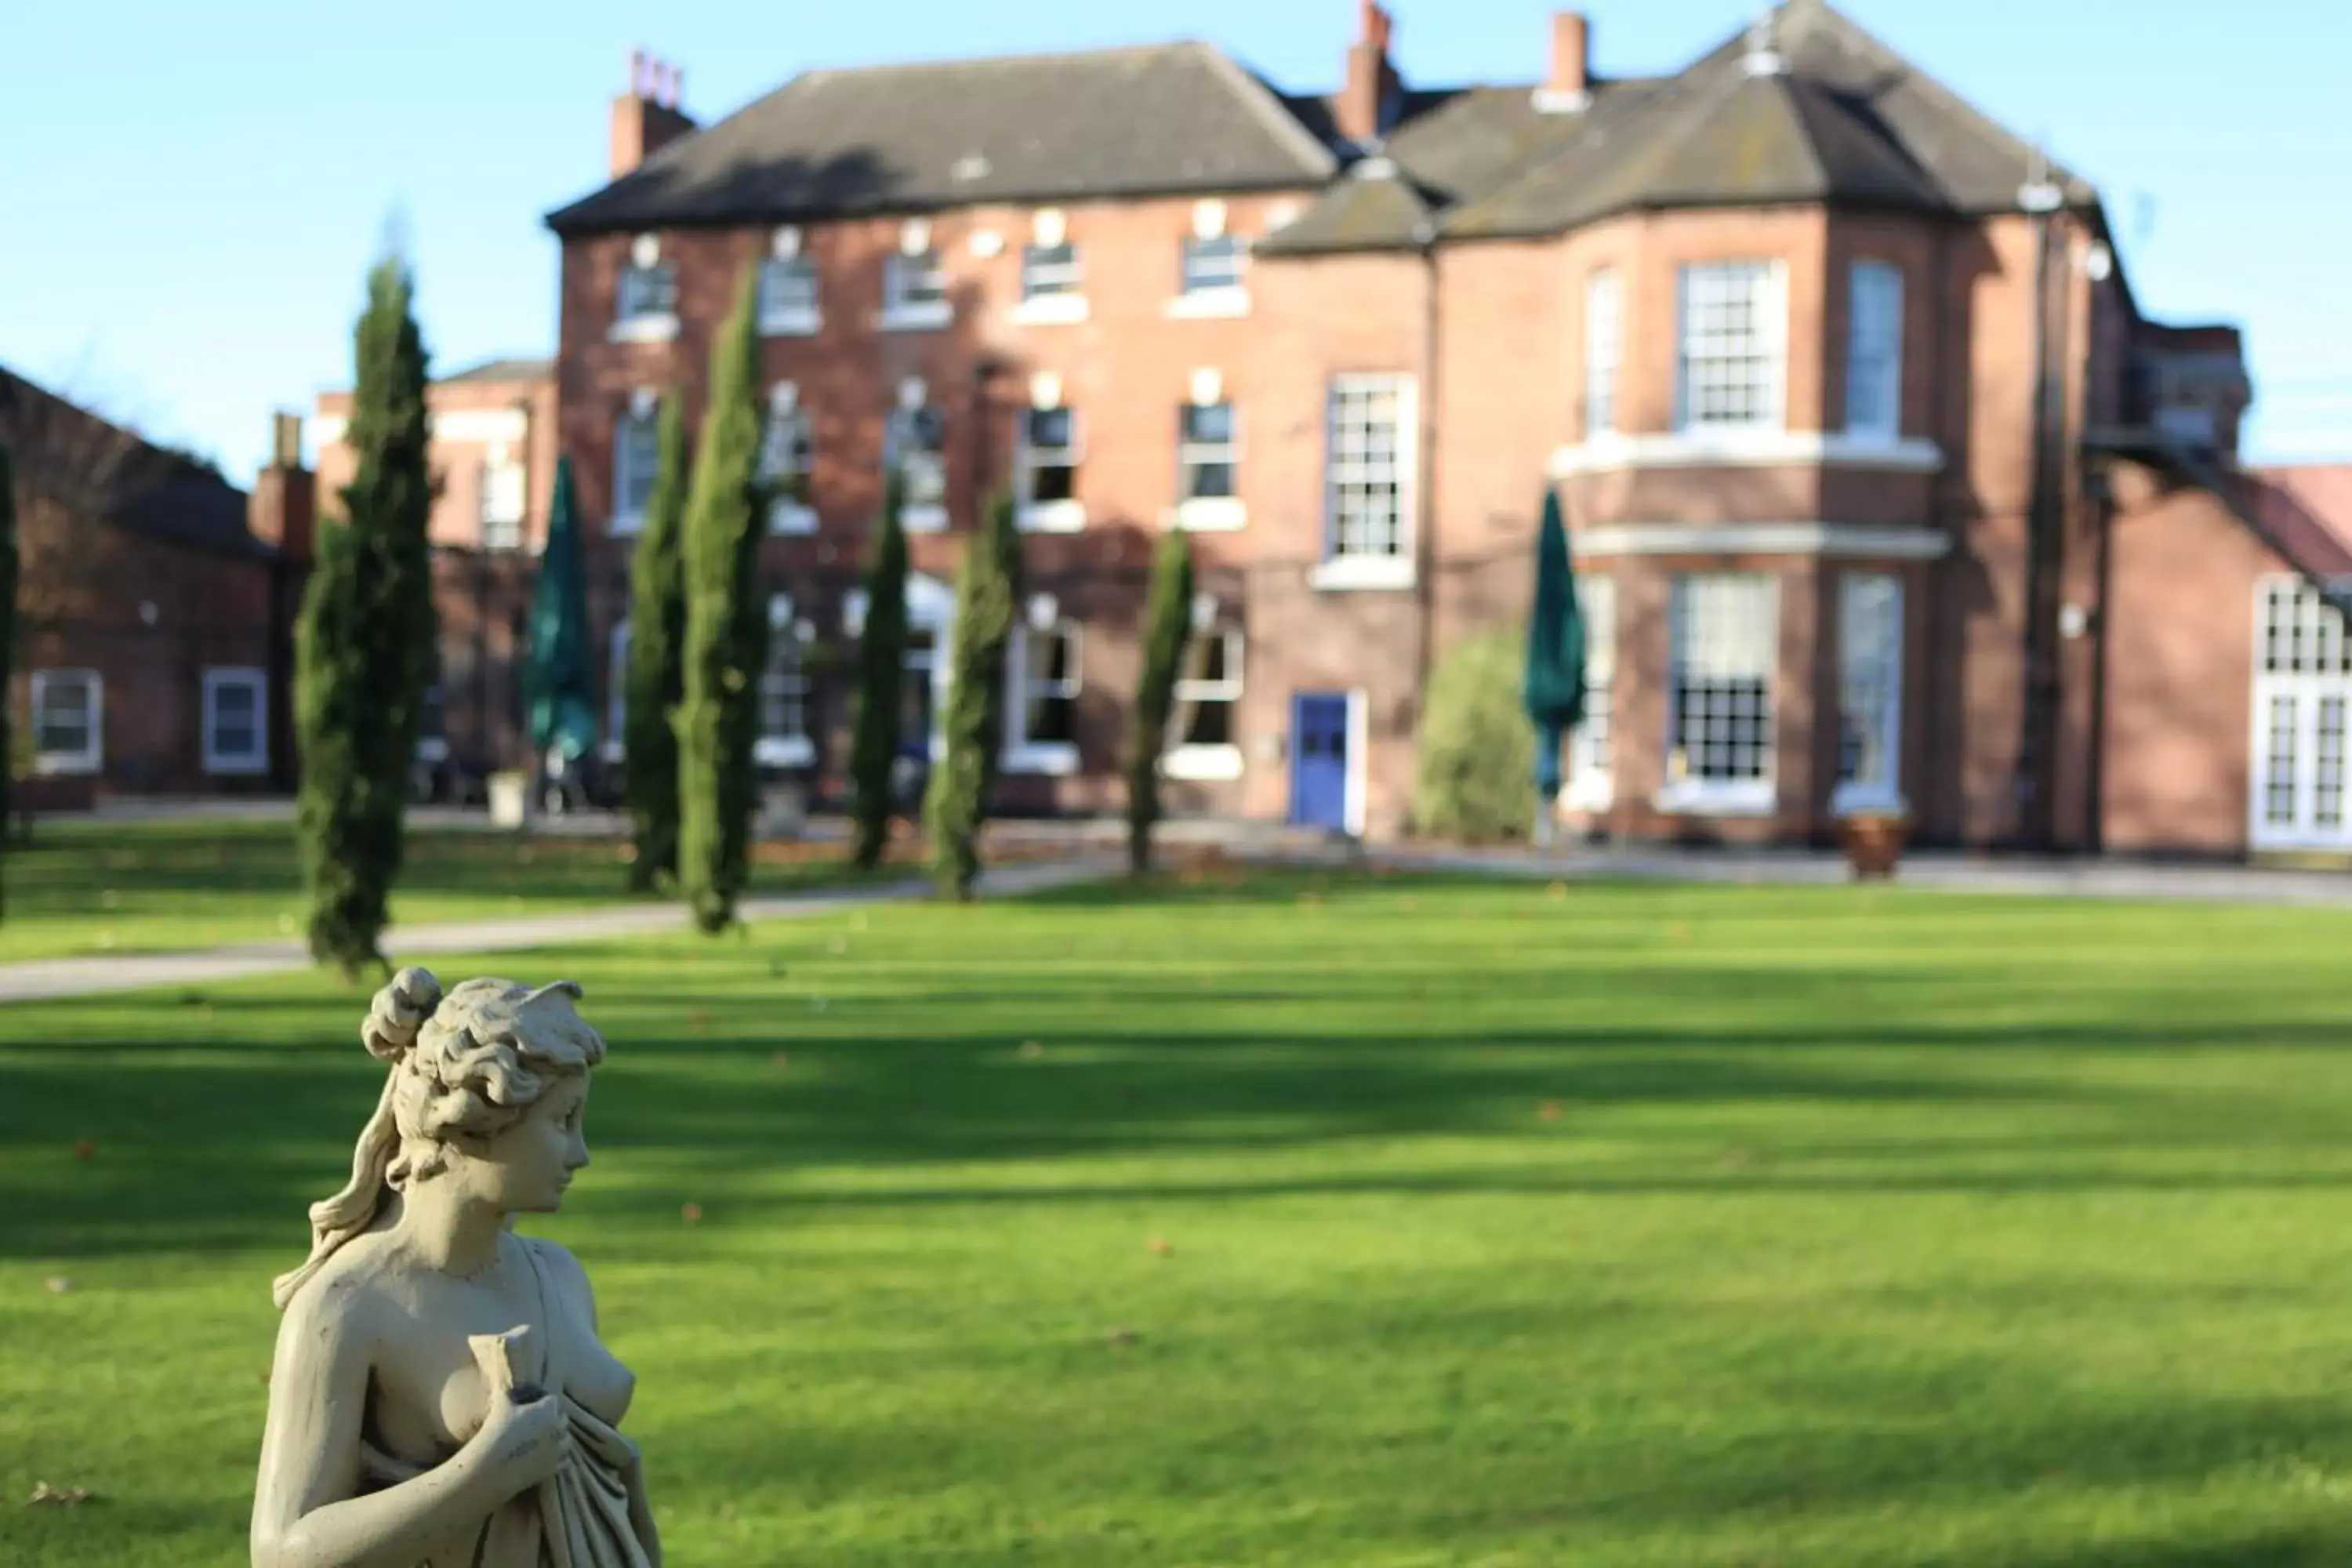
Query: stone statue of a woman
x,y
440,1398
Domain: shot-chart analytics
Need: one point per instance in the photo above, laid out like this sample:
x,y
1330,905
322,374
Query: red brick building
x,y
155,610
1884,489
493,458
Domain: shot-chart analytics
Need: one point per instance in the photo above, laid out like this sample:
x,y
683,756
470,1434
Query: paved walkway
x,y
47,979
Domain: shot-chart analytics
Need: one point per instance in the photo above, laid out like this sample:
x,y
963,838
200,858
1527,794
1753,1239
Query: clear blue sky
x,y
190,193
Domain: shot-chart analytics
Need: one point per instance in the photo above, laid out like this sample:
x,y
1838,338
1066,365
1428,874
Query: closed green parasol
x,y
561,676
1553,691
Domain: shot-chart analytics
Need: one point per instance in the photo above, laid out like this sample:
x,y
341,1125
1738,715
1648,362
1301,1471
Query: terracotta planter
x,y
1874,843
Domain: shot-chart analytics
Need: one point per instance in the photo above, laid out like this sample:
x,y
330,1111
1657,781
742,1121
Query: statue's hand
x,y
522,1445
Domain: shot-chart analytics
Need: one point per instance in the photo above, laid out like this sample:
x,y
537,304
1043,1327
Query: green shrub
x,y
1474,774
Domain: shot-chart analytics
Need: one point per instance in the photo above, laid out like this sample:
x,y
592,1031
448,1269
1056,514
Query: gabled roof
x,y
150,488
1373,207
495,370
1844,120
1165,119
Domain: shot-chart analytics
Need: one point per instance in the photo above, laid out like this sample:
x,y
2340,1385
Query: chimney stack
x,y
1366,105
281,509
647,117
1568,88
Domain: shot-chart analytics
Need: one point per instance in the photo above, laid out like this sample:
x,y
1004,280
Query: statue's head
x,y
487,1088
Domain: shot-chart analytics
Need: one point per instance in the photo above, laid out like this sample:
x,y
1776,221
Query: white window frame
x,y
919,517
642,416
788,422
902,311
1684,791
1212,763
642,311
2298,751
246,678
1199,277
1210,514
1766,344
505,502
616,692
1592,749
1023,755
1358,567
1605,343
1870,686
1062,516
1053,292
1199,297
92,757
787,262
1873,354
784,678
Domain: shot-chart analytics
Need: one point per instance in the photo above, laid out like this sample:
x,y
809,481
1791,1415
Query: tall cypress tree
x,y
1167,624
655,679
7,644
726,636
988,590
881,671
364,646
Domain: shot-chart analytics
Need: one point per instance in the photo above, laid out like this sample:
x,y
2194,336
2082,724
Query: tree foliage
x,y
988,590
881,677
726,628
1475,769
656,677
363,644
1166,626
7,644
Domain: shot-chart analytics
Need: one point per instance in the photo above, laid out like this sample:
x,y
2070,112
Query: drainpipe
x,y
2041,198
1425,549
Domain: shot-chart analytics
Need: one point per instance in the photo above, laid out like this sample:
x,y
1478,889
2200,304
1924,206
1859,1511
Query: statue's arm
x,y
304,1512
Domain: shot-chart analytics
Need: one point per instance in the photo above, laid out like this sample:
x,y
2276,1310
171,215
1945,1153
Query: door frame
x,y
1351,807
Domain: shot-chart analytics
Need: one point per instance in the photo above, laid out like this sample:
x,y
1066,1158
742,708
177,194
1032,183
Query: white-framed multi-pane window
x,y
1724,647
1046,469
1731,362
1870,692
645,298
1050,270
788,289
1604,338
1591,776
914,289
68,717
1203,730
1874,355
1041,704
506,498
237,721
2302,713
1367,472
616,692
784,691
914,447
788,461
636,463
1208,462
1212,264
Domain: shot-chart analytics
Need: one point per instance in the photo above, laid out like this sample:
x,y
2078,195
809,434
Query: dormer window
x,y
647,307
788,289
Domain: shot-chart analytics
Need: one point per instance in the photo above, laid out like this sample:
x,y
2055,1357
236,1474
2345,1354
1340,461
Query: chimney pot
x,y
1568,88
636,73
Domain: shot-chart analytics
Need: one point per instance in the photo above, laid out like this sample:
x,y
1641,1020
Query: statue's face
x,y
525,1169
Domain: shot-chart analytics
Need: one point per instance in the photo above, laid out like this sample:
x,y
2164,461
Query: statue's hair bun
x,y
399,1013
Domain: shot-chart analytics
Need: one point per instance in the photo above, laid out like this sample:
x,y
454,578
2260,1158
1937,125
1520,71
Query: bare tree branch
x,y
76,468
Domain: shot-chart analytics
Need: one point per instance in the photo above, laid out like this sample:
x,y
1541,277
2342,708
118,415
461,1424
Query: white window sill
x,y
1212,514
1058,759
792,517
928,316
1049,311
784,752
236,767
611,751
1349,573
1588,794
59,765
629,522
791,324
1202,765
1753,449
1210,304
658,329
1870,800
433,749
1053,517
1697,797
924,519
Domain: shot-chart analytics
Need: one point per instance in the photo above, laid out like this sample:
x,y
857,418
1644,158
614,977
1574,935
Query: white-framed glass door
x,y
2297,795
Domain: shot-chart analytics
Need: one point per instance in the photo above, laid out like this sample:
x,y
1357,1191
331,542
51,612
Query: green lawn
x,y
92,887
1694,1229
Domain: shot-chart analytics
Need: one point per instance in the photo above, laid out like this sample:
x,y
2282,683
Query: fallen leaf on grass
x,y
1165,1248
59,1285
47,1496
1122,1336
1551,1110
697,1019
783,1058
1032,1050
837,946
84,1150
1558,890
691,1212
1678,932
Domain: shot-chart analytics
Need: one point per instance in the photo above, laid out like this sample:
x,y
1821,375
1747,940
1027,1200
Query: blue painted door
x,y
1319,761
